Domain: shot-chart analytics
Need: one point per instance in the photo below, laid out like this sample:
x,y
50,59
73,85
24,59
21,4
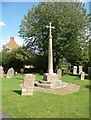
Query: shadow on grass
x,y
77,76
86,77
18,78
74,75
17,91
89,87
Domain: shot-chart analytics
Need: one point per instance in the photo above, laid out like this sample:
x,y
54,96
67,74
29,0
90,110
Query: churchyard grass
x,y
45,105
0,92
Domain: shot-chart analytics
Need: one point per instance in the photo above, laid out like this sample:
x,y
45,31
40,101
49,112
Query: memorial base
x,y
51,81
50,77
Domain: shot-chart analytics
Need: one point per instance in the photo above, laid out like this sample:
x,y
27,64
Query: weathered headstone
x,y
74,70
28,84
59,73
10,73
1,71
80,69
89,73
82,75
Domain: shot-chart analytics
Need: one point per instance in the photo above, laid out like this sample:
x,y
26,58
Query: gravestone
x,y
89,73
74,70
10,73
28,84
1,71
59,73
82,75
80,69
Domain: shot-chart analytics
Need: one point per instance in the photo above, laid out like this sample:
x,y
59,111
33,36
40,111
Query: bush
x,y
16,59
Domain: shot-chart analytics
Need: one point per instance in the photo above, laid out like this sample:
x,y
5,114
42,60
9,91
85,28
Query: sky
x,y
11,15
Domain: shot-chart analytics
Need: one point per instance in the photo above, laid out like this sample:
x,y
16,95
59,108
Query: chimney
x,y
11,38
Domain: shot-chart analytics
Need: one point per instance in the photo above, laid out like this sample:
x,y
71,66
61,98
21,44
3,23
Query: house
x,y
11,45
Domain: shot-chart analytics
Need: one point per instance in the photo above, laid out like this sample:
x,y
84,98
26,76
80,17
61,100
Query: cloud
x,y
2,23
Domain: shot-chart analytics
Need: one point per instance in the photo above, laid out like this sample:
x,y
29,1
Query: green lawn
x,y
45,105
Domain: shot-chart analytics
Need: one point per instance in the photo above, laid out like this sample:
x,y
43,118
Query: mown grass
x,y
45,105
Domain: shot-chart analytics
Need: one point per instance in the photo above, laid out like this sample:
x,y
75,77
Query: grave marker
x,y
28,84
1,72
10,73
82,75
74,70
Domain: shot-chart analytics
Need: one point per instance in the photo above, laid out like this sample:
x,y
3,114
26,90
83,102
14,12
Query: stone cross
x,y
50,56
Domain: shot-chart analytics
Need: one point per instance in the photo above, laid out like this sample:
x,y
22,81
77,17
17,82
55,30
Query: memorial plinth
x,y
51,79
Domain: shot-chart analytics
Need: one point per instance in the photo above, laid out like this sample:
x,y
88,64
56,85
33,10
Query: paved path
x,y
3,114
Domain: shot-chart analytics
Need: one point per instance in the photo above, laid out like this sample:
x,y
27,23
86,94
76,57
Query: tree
x,y
0,58
17,58
69,39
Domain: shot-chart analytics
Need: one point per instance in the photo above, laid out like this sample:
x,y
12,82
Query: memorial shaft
x,y
50,56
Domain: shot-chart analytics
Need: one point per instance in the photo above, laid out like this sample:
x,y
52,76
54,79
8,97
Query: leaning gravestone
x,y
89,73
74,70
82,75
59,73
28,85
1,71
10,73
80,69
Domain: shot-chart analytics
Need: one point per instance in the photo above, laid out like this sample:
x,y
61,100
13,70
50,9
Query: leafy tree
x,y
17,58
69,39
0,58
90,40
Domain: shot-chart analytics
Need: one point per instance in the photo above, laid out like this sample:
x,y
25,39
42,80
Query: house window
x,y
8,49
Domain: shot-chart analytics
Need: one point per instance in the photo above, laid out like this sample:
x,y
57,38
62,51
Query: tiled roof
x,y
12,43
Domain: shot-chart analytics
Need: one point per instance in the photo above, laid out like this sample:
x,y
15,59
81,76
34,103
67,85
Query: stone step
x,y
42,85
44,82
57,84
